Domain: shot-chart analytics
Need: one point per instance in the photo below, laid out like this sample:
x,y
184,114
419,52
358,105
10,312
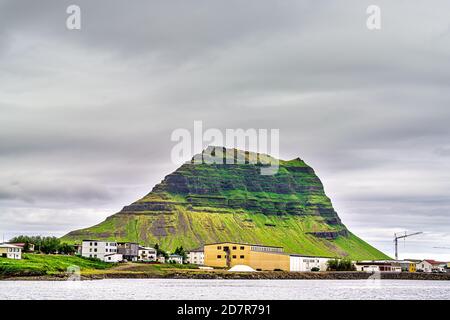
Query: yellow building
x,y
259,257
407,266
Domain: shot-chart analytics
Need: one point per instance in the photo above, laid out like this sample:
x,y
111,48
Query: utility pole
x,y
400,237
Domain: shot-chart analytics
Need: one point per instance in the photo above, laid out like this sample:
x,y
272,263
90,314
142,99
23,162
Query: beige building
x,y
259,257
10,251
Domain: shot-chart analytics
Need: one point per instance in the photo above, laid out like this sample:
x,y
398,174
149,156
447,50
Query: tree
x,y
340,265
50,245
181,252
36,240
160,252
66,248
41,244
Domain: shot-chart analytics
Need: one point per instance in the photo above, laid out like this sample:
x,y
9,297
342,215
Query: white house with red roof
x,y
429,265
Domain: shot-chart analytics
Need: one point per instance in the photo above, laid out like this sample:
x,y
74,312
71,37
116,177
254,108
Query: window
x,y
90,244
219,248
219,256
95,250
95,243
234,257
234,248
242,247
242,257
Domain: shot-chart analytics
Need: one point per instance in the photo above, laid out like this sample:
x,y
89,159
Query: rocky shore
x,y
194,274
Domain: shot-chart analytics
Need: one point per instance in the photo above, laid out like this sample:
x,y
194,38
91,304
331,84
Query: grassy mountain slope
x,y
203,203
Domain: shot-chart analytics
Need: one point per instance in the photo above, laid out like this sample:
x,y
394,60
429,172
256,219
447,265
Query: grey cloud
x,y
86,116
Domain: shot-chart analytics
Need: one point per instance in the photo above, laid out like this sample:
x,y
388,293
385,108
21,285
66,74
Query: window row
x,y
219,256
228,248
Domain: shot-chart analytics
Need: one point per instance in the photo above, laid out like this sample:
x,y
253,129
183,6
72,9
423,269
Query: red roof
x,y
430,261
19,244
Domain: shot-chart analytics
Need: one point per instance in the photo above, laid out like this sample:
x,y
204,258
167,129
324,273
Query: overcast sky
x,y
86,116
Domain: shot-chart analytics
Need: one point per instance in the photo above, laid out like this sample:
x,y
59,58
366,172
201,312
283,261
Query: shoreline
x,y
225,275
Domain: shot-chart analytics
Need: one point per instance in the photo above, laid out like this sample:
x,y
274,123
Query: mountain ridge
x,y
211,202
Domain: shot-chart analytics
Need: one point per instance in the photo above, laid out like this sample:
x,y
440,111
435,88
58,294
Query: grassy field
x,y
56,265
40,264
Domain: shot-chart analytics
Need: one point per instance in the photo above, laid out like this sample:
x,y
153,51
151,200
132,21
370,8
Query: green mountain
x,y
205,203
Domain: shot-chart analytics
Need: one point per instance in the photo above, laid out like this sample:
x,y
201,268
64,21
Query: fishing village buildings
x,y
231,256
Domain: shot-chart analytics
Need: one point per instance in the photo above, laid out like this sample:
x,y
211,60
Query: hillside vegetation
x,y
42,264
205,203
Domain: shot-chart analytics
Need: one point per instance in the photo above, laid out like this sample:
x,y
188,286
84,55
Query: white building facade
x,y
103,250
113,257
424,266
431,266
305,263
175,258
10,251
378,266
196,256
147,254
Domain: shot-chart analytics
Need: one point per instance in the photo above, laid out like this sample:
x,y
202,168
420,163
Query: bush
x,y
315,269
341,265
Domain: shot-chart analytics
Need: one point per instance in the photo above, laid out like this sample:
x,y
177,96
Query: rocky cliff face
x,y
202,203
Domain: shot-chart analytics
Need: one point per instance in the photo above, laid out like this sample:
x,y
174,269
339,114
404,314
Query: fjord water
x,y
176,289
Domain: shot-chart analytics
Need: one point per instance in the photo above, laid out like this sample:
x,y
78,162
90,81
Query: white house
x,y
10,251
196,256
113,257
175,258
161,259
307,263
429,265
147,254
103,250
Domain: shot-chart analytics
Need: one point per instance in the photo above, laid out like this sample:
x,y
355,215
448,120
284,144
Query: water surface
x,y
176,289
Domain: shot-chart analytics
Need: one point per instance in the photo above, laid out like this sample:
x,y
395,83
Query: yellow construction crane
x,y
396,237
